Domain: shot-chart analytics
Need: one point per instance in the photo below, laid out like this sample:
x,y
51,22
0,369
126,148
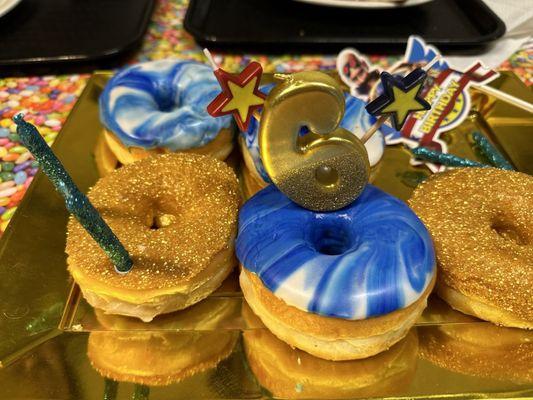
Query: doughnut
x,y
481,220
356,120
339,285
289,373
176,214
480,350
159,107
168,350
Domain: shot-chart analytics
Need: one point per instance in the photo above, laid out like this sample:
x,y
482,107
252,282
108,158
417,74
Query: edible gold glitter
x,y
196,196
481,221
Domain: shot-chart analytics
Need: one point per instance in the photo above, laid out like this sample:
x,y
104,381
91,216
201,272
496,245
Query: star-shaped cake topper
x,y
401,97
240,94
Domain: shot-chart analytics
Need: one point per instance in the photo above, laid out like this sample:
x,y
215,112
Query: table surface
x,y
48,100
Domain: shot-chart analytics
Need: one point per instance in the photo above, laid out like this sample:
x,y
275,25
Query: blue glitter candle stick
x,y
76,202
448,160
489,151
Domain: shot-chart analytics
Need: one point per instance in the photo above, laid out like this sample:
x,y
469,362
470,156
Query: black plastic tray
x,y
67,31
282,25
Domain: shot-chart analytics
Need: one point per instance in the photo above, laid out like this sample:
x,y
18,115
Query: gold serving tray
x,y
45,324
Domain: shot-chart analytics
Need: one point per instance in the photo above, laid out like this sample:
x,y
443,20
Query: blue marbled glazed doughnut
x,y
369,259
162,104
355,116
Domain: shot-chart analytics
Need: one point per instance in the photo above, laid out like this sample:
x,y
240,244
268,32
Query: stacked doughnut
x,y
176,215
160,107
481,220
339,285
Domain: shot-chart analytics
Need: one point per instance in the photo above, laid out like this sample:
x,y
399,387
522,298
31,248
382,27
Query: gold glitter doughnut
x,y
176,215
481,220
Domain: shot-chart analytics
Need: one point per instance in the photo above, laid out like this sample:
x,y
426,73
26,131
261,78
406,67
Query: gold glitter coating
x,y
481,220
174,214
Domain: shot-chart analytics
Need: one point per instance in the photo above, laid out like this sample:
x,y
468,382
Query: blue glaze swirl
x,y
162,104
369,259
355,119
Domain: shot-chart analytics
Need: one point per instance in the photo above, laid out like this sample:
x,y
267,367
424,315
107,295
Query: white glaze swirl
x,y
368,259
162,104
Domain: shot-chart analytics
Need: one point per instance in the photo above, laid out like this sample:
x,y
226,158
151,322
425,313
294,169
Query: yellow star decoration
x,y
404,103
243,97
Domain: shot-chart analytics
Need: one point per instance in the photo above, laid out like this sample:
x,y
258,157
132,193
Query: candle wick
x,y
211,60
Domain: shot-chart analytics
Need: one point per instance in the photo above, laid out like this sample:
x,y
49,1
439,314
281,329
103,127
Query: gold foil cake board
x,y
34,283
426,365
37,295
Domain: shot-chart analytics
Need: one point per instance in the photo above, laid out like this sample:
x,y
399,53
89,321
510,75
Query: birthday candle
x,y
76,202
489,151
448,160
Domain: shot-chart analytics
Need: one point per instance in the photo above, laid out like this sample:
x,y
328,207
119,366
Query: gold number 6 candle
x,y
324,169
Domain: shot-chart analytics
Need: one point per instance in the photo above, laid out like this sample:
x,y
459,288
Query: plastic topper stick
x,y
240,94
401,97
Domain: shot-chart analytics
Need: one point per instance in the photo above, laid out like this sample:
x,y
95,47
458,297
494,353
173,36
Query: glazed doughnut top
x,y
368,259
162,104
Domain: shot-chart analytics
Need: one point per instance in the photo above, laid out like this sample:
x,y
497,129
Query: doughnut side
x,y
481,222
220,148
325,337
472,306
145,305
250,184
292,373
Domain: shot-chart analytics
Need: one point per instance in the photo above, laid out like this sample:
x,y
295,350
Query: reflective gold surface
x,y
36,295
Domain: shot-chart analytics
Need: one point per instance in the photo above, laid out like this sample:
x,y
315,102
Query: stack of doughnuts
x,y
355,120
176,215
329,286
339,285
159,107
481,221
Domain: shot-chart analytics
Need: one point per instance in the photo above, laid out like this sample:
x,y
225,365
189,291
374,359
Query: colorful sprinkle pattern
x,y
47,100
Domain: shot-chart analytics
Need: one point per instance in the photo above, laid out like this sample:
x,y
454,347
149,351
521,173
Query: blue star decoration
x,y
401,96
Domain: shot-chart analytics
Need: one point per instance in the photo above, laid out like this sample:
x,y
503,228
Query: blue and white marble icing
x,y
356,120
162,104
383,257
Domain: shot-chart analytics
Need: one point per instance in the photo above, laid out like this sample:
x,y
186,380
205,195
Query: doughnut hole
x,y
331,238
160,216
508,231
164,98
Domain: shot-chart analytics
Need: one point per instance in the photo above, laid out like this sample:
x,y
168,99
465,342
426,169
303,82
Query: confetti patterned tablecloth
x,y
47,100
